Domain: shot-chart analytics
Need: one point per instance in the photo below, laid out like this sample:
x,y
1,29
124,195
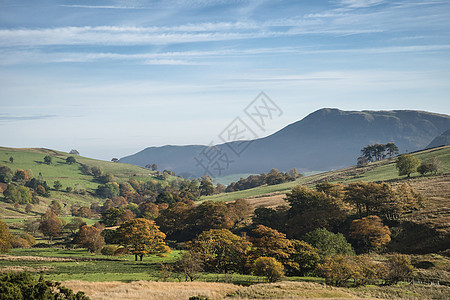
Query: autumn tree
x,y
190,264
221,250
344,270
269,242
370,233
5,237
407,164
20,175
142,237
90,237
268,267
399,269
55,207
50,225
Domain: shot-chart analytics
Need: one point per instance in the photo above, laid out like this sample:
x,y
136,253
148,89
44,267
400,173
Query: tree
x,y
28,208
329,243
48,159
115,159
11,159
221,250
142,237
368,152
5,237
269,242
190,264
71,160
391,149
55,207
344,270
50,225
362,161
407,164
268,267
74,225
108,190
96,171
154,167
20,175
6,174
370,233
303,260
18,194
57,185
206,187
310,209
90,237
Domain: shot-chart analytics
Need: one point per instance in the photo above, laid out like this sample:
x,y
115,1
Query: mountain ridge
x,y
326,139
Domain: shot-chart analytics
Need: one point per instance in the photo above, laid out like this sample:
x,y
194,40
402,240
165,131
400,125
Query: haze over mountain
x,y
325,139
441,140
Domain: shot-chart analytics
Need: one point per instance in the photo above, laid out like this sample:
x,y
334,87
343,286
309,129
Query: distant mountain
x,y
441,140
325,139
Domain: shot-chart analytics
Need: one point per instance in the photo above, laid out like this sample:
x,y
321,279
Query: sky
x,y
110,78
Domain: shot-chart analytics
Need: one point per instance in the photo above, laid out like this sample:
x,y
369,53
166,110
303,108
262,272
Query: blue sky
x,y
109,78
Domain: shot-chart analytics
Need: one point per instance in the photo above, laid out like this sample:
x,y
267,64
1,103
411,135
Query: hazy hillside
x,y
325,139
442,140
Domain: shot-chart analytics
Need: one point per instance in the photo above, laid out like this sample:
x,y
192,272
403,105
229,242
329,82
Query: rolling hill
x,y
324,140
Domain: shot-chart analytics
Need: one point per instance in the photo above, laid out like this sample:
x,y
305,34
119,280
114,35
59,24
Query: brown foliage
x,y
370,232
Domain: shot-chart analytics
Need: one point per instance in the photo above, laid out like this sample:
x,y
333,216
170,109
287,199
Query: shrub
x,y
19,242
26,286
268,267
400,269
121,252
29,238
328,243
109,250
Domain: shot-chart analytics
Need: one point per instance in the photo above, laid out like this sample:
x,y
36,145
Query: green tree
x,y
206,187
391,149
71,160
407,164
6,174
303,260
310,209
268,267
142,237
108,190
190,264
18,194
57,185
48,159
221,250
55,207
5,237
11,159
329,243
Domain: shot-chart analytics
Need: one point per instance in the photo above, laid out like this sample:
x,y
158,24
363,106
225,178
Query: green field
x,y
67,174
377,171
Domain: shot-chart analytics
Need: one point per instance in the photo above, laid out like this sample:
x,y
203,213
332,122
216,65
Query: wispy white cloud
x,y
361,3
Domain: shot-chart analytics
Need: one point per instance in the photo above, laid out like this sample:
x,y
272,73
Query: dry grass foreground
x,y
183,290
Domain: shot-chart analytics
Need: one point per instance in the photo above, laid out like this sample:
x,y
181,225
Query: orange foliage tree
x,y
370,232
142,237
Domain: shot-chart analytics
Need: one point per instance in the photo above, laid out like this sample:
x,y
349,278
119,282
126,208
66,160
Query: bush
x,y
268,267
19,242
400,269
198,298
328,243
26,286
121,252
109,250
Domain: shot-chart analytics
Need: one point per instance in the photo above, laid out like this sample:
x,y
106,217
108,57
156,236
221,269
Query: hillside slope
x,y
441,140
324,140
